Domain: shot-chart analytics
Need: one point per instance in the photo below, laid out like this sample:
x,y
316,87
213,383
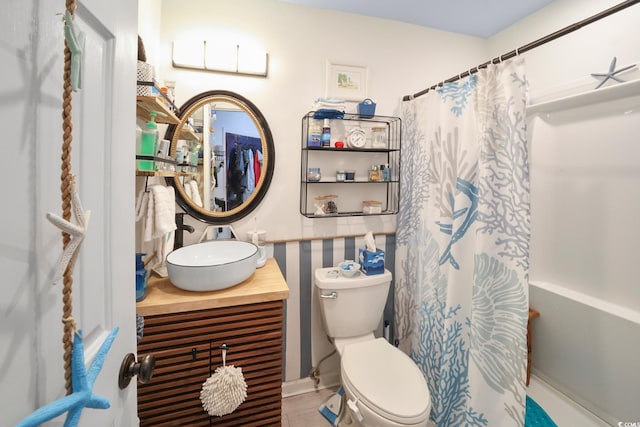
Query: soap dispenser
x,y
149,143
142,275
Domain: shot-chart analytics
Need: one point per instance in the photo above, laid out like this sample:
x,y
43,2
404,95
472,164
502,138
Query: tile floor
x,y
302,410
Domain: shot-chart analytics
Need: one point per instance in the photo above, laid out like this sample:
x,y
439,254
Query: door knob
x,y
130,368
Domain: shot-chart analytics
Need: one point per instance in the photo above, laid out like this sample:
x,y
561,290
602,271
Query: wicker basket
x,y
144,74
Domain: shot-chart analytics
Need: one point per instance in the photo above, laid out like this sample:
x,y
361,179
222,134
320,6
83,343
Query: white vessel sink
x,y
213,265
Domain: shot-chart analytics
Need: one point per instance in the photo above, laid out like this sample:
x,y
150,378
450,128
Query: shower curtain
x,y
463,245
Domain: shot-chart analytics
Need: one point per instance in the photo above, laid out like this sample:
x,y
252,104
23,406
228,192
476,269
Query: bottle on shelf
x,y
326,134
374,174
315,134
149,143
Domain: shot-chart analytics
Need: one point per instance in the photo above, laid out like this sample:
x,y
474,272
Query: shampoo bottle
x,y
149,143
326,134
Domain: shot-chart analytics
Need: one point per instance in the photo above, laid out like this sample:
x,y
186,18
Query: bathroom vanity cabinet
x,y
184,330
337,180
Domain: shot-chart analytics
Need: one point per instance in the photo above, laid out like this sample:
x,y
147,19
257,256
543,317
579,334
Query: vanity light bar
x,y
220,57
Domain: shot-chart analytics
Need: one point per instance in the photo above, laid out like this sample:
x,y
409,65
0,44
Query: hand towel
x,y
164,221
142,204
187,191
195,192
158,208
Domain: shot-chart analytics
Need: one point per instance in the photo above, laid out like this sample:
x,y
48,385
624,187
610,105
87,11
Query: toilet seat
x,y
386,380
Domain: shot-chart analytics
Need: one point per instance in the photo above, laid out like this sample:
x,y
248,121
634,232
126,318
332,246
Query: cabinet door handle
x,y
332,295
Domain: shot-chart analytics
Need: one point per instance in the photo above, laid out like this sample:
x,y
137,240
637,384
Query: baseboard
x,y
306,385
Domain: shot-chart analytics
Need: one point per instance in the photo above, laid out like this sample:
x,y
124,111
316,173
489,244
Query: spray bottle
x,y
149,143
142,275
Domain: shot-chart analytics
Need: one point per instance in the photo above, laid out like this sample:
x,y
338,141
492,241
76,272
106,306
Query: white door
x,y
103,153
104,132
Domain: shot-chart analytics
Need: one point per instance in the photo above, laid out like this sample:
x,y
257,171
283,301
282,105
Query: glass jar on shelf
x,y
374,173
379,137
326,205
314,175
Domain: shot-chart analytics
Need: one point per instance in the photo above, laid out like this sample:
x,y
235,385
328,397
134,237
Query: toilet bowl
x,y
383,386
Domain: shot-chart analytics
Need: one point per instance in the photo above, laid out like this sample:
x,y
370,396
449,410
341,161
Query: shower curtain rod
x,y
539,42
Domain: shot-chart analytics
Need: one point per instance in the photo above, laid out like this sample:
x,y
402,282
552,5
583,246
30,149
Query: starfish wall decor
x,y
75,41
76,231
82,381
611,74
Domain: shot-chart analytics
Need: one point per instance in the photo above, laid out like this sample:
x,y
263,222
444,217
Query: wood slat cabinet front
x,y
186,347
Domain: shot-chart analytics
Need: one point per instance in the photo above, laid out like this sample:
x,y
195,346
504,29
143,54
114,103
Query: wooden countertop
x,y
266,284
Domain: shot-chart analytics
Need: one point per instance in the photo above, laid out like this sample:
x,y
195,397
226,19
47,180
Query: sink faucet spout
x,y
181,227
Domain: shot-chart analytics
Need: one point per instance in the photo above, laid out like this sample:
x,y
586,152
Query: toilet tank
x,y
351,307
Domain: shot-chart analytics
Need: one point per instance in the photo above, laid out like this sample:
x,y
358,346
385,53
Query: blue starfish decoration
x,y
82,381
611,74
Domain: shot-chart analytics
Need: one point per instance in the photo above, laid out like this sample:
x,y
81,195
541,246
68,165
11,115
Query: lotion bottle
x,y
326,134
149,143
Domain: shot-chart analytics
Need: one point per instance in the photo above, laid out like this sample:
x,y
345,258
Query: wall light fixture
x,y
220,57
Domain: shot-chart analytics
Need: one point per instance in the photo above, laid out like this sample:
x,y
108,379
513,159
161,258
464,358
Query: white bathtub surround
x,y
585,205
560,407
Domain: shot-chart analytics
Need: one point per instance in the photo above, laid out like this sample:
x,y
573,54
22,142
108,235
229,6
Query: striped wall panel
x,y
305,340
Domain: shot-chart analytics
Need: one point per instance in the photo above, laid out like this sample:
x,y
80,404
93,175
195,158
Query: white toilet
x,y
383,386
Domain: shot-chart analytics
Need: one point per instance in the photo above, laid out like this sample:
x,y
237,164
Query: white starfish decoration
x,y
611,74
76,231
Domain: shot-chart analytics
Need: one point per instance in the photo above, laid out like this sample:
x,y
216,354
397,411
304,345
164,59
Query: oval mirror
x,y
225,154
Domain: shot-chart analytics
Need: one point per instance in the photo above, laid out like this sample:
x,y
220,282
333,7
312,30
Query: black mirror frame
x,y
268,146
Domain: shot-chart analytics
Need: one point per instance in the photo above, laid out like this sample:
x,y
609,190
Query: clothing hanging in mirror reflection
x,y
245,165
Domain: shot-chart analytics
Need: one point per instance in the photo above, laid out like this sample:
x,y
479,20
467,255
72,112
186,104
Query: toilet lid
x,y
386,380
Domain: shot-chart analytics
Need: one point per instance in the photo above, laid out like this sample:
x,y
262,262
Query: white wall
x,y
585,187
571,58
401,59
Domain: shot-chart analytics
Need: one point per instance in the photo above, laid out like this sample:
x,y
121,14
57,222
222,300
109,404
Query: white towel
x,y
195,192
187,190
158,208
329,104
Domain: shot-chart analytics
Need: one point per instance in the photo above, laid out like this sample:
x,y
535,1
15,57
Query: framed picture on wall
x,y
348,82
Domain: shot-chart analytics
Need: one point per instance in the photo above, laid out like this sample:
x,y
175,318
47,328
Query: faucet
x,y
181,226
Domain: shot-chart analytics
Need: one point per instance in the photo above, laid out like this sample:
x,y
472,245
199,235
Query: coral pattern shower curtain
x,y
463,246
